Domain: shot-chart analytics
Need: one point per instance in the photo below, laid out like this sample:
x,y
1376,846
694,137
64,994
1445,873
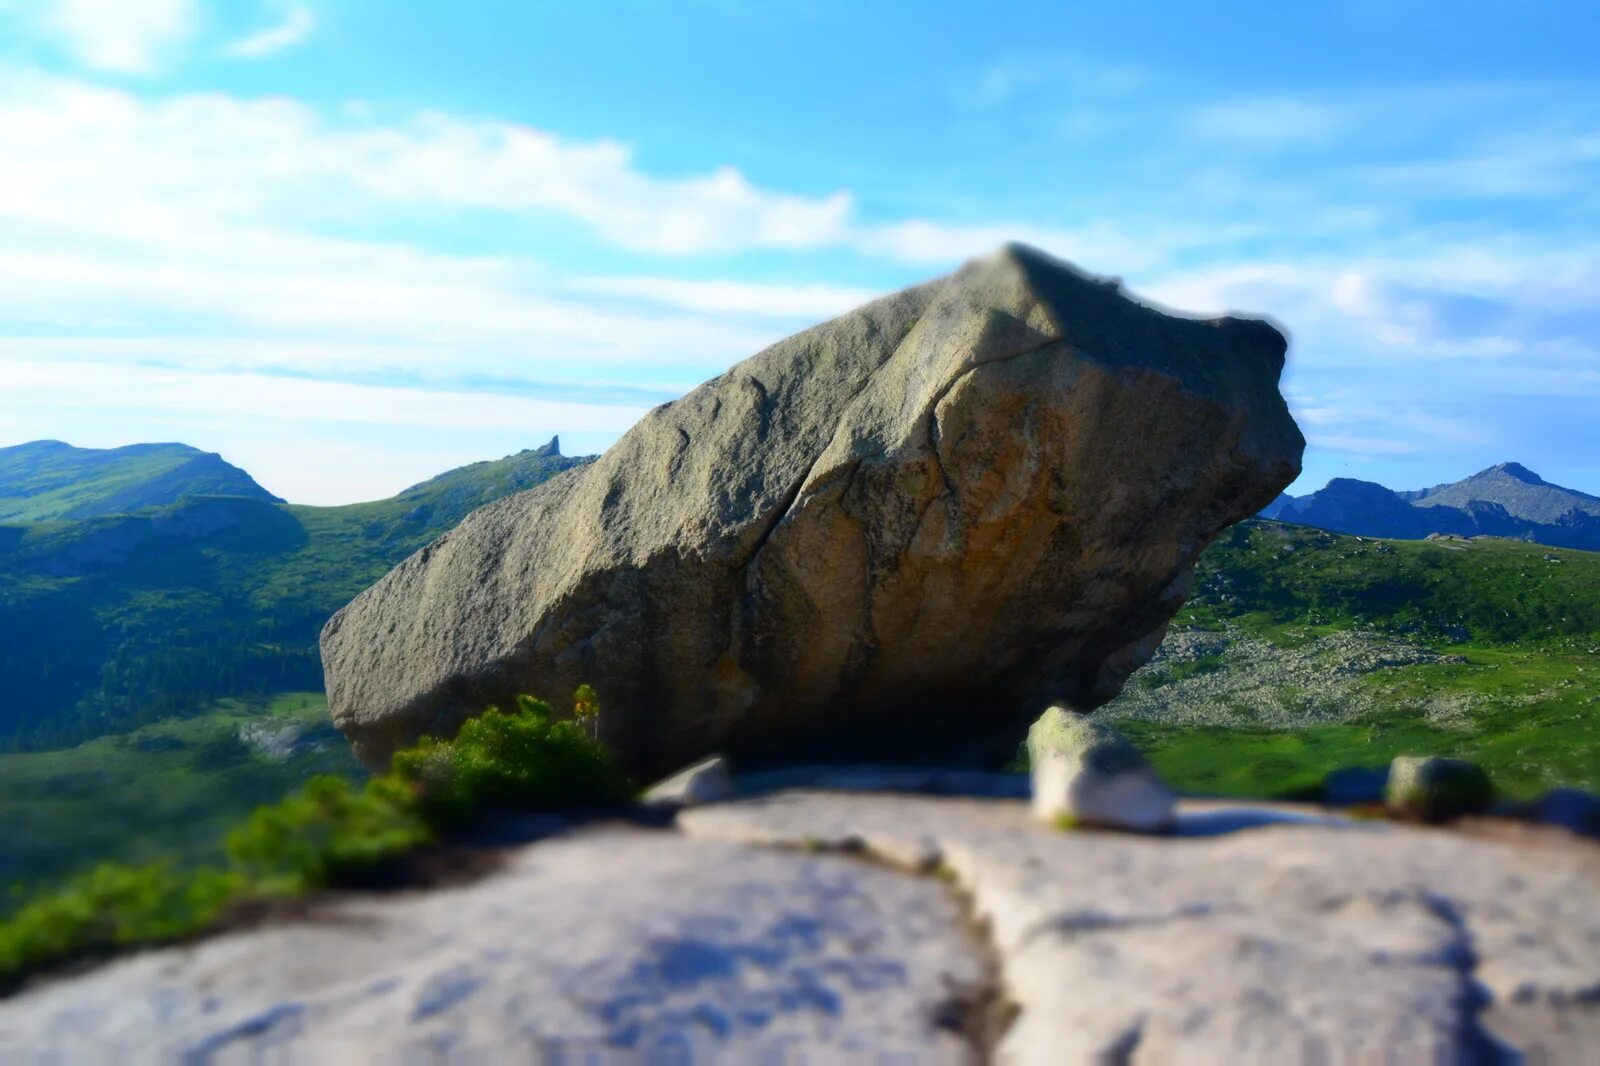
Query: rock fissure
x,y
980,1012
1482,1047
1093,922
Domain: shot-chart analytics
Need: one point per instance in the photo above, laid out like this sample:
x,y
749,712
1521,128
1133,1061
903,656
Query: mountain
x,y
1523,494
48,480
1507,500
114,620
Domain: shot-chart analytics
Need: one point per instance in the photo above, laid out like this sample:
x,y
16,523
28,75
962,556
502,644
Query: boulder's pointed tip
x,y
1023,254
1037,265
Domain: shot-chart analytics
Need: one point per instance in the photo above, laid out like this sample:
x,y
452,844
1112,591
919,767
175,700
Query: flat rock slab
x,y
621,945
1256,934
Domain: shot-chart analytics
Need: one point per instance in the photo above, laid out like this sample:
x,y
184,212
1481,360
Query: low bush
x,y
110,907
521,760
328,833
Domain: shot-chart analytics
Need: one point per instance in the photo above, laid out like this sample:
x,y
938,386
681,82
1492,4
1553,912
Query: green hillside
x,y
48,480
1304,651
164,791
111,622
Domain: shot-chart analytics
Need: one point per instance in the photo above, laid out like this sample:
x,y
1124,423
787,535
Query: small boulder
x,y
1087,772
1437,789
707,781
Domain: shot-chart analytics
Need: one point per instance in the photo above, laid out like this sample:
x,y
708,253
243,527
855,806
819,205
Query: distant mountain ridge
x,y
116,618
50,480
1506,500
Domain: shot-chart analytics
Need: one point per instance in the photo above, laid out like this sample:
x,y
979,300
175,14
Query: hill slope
x,y
110,622
48,480
1303,651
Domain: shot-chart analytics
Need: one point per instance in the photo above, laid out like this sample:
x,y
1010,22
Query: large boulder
x,y
896,535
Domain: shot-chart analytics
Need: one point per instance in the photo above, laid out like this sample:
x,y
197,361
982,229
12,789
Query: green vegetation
x,y
1485,649
1265,575
108,908
164,791
512,760
329,833
113,622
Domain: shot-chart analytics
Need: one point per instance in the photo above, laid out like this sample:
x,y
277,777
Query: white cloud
x,y
111,386
1098,247
81,155
1267,122
127,222
311,440
124,36
294,29
732,297
1064,76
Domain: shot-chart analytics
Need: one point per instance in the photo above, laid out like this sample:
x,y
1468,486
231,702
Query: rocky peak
x,y
1514,471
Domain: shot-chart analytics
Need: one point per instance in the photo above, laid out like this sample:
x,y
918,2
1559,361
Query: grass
x,y
329,833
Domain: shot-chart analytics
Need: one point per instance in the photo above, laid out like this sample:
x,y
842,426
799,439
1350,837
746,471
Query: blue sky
x,y
349,244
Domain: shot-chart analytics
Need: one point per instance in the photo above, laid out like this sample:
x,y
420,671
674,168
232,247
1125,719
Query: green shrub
x,y
523,760
327,834
112,906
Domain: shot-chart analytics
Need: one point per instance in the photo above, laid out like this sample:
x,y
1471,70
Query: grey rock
x,y
895,535
621,946
1087,772
1261,933
706,781
280,741
1437,788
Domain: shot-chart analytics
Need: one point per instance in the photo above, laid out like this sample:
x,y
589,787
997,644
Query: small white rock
x,y
704,782
1087,771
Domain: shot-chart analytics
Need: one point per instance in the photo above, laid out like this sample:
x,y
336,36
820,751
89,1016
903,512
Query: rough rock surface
x,y
1256,935
1088,772
614,947
898,534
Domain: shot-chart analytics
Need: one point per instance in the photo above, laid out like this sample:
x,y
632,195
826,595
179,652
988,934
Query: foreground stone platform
x,y
1257,933
810,925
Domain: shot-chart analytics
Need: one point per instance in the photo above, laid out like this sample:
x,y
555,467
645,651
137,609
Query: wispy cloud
x,y
311,438
1063,76
1267,122
217,237
122,36
811,302
295,28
